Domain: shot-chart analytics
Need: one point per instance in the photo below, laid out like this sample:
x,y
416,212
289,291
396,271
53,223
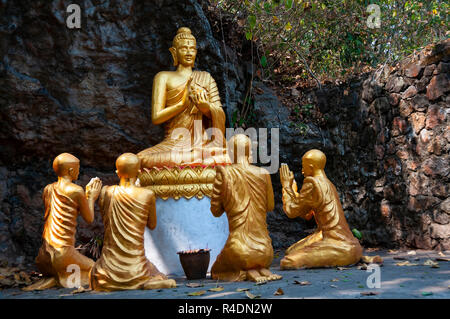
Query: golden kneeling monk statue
x,y
126,211
332,244
245,193
58,259
188,103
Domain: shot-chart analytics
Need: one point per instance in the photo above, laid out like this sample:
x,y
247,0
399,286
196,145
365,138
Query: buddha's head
x,y
66,164
240,149
313,161
128,165
184,48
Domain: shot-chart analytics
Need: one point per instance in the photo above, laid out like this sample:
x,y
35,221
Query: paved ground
x,y
417,281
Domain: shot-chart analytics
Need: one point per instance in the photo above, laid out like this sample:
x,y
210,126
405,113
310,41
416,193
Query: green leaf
x,y
248,35
288,4
288,26
356,233
263,61
267,7
234,117
252,21
427,293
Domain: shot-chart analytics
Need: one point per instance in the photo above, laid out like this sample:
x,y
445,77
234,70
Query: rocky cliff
x,y
386,136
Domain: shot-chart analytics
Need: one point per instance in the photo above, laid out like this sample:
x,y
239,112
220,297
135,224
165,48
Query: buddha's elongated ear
x,y
174,55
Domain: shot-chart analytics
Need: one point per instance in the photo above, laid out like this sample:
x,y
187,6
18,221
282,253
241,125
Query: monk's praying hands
x,y
286,176
93,188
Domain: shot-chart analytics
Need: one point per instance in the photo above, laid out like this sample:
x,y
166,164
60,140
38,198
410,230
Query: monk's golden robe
x,y
122,264
332,244
246,195
178,150
57,251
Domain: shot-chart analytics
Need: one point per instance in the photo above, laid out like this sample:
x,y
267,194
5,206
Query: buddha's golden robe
x,y
57,251
122,264
332,244
178,150
246,195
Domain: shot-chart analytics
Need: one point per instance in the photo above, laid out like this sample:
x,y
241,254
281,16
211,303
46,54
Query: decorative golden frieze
x,y
177,182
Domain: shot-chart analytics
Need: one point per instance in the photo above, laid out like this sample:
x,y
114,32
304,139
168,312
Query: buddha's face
x,y
186,51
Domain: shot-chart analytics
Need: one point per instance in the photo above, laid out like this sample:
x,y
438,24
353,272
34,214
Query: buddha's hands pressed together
x,y
199,97
93,188
286,177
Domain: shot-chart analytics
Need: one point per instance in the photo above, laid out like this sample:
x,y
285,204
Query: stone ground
x,y
409,282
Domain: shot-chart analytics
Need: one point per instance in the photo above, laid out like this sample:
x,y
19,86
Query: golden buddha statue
x,y
188,103
332,244
126,211
63,201
245,193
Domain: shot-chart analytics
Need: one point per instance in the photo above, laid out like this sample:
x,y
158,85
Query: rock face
x,y
87,91
387,146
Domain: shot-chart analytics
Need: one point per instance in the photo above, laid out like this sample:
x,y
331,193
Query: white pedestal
x,y
183,224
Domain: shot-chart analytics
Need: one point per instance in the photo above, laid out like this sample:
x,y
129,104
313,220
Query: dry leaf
x,y
197,293
25,277
392,251
17,278
431,263
302,283
252,296
216,289
279,292
335,280
399,258
406,263
441,254
342,268
333,286
80,290
242,289
412,252
194,285
372,259
442,259
362,267
369,293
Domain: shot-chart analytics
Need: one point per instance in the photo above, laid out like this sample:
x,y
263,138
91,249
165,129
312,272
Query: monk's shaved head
x,y
128,165
239,146
63,162
316,158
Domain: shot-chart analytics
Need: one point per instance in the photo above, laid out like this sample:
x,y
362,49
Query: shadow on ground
x,y
397,282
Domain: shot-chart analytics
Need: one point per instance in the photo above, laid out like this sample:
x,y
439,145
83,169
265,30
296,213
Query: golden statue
x,y
332,244
186,99
245,193
58,259
126,211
